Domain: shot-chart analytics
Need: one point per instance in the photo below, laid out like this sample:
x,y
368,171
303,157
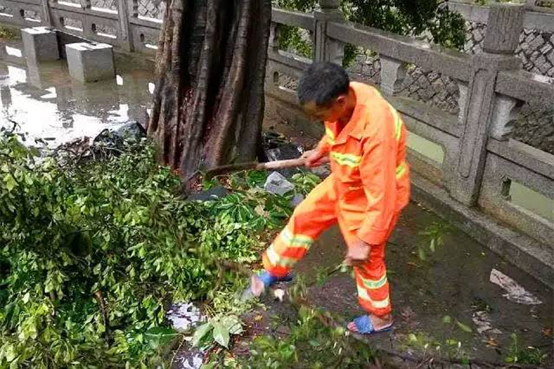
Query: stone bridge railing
x,y
132,25
465,164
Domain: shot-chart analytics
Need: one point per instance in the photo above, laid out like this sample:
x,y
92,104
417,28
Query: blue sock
x,y
269,279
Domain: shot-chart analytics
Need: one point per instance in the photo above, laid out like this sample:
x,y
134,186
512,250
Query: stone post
x,y
393,73
90,62
40,44
505,24
46,15
273,34
124,8
272,77
327,49
133,10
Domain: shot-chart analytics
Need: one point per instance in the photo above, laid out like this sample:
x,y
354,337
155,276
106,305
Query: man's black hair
x,y
322,83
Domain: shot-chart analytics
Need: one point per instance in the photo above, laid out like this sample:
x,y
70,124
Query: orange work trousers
x,y
314,215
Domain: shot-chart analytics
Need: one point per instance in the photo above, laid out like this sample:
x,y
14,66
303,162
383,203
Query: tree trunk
x,y
209,98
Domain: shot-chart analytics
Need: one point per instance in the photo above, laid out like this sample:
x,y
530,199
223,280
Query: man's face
x,y
327,113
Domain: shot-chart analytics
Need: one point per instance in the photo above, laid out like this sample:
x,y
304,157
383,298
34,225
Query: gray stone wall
x,y
151,8
536,48
105,4
425,86
5,10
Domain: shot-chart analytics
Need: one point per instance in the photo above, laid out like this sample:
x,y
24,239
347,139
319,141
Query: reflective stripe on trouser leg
x,y
286,251
314,215
372,283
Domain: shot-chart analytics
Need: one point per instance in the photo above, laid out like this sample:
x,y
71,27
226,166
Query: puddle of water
x,y
183,317
47,103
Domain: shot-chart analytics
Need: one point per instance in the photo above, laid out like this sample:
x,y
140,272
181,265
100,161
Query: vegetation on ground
x,y
7,33
94,251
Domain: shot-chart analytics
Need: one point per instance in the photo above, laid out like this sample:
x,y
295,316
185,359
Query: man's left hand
x,y
358,253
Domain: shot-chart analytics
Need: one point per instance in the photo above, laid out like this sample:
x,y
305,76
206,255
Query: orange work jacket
x,y
368,163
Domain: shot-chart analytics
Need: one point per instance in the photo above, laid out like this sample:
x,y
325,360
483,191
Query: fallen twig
x,y
103,310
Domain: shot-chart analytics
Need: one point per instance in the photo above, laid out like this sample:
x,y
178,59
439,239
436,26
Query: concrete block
x,y
88,62
40,44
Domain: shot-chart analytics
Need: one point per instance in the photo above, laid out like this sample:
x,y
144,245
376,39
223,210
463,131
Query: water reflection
x,y
47,103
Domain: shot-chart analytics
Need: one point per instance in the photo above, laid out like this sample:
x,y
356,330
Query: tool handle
x,y
280,164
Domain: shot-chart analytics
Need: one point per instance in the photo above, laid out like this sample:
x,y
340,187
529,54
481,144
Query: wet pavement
x,y
48,104
437,301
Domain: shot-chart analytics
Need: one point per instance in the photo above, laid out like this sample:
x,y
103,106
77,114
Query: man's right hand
x,y
315,158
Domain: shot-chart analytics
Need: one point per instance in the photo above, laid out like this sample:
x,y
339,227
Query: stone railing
x,y
132,25
466,164
535,124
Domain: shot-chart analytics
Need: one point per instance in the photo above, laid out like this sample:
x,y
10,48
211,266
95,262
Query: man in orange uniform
x,y
366,143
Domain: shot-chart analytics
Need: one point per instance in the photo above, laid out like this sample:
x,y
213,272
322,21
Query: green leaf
x,y
208,366
200,333
160,336
10,182
232,324
221,334
432,245
447,319
9,353
29,180
314,343
464,327
421,254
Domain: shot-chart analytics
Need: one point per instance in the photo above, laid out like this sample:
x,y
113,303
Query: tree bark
x,y
210,68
